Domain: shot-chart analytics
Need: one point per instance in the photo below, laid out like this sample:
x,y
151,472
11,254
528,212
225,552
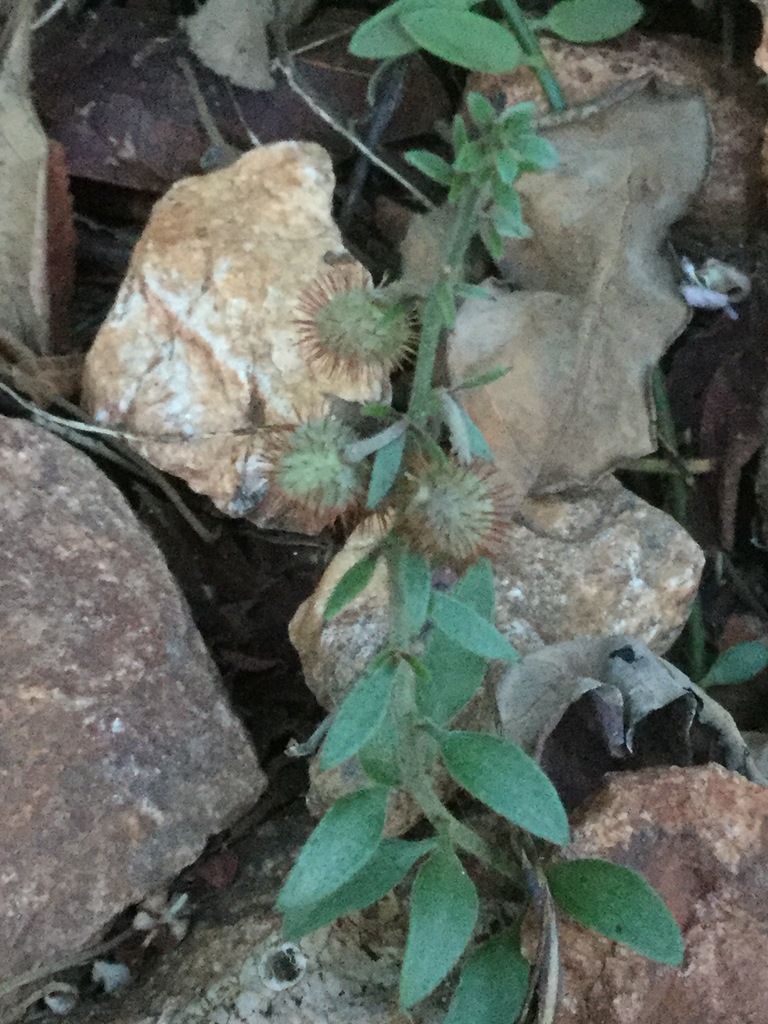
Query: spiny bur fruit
x,y
347,326
310,480
450,513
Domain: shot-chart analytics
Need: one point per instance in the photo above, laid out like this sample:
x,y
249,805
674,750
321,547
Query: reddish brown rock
x,y
119,755
700,836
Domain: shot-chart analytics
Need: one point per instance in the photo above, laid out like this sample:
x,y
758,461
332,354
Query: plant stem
x,y
462,230
416,753
530,45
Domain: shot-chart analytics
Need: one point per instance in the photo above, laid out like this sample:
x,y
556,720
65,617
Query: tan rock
x,y
604,563
699,835
731,198
201,349
119,755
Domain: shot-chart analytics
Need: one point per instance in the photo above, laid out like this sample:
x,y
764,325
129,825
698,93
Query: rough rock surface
x,y
224,971
201,347
118,753
601,564
700,836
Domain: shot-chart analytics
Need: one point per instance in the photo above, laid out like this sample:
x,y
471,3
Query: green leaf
x,y
412,581
386,466
443,915
377,409
462,624
353,582
388,866
509,223
507,165
493,983
445,301
517,119
455,675
506,197
480,380
505,778
345,839
378,757
459,134
461,37
472,291
361,713
381,36
590,21
620,904
481,110
477,443
469,158
430,164
492,240
536,154
739,663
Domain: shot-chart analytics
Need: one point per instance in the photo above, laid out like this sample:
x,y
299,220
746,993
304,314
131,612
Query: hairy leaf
x,y
470,630
386,466
430,164
388,866
344,840
506,779
443,915
353,582
412,582
737,664
620,904
378,757
455,675
360,714
493,983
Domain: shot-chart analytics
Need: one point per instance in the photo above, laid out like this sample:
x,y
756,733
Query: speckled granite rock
x,y
119,755
700,836
201,347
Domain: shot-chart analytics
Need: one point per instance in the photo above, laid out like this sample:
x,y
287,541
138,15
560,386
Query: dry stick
x,y
225,154
312,103
71,960
123,456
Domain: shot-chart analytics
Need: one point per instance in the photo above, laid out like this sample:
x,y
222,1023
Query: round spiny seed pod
x,y
346,326
452,514
310,480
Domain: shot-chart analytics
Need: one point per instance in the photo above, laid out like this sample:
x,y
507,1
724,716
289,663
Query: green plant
x,y
427,472
441,507
452,30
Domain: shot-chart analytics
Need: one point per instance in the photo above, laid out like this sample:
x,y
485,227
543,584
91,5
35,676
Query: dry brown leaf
x,y
230,37
24,309
627,686
599,306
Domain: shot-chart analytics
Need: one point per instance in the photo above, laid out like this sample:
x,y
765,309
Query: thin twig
x,y
335,123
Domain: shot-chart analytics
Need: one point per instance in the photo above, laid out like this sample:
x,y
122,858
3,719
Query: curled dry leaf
x,y
598,305
589,706
230,37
